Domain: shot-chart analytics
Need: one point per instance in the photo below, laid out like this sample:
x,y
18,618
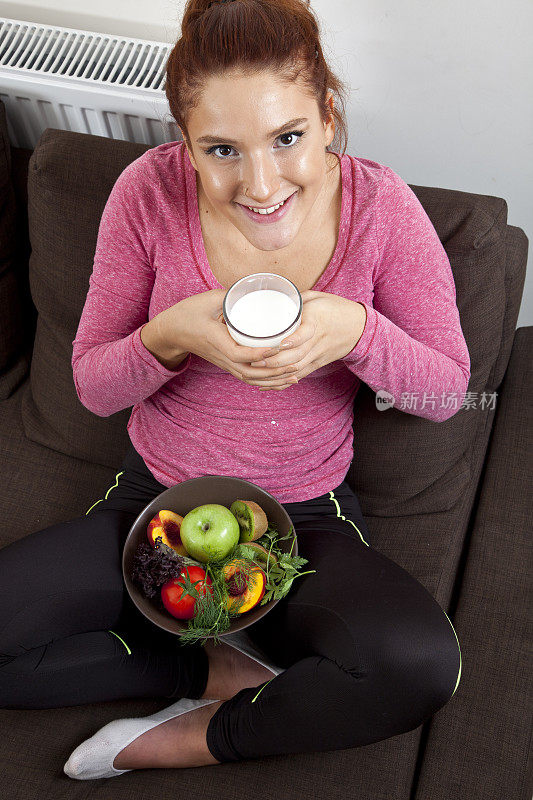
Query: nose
x,y
260,178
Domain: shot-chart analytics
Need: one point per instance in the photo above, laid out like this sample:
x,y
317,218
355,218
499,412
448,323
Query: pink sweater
x,y
201,420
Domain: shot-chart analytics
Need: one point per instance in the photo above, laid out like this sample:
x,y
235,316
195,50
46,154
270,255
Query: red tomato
x,y
173,596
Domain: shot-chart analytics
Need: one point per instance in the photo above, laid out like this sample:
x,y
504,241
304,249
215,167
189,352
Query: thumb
x,y
216,298
309,294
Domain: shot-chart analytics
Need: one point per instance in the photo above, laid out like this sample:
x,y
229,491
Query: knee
x,y
414,651
428,660
396,674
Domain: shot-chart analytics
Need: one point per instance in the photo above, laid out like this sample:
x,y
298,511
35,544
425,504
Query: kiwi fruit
x,y
261,554
252,520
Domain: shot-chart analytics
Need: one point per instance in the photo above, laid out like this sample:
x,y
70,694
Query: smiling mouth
x,y
269,211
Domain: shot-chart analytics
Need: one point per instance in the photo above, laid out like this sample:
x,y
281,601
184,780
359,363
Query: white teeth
x,y
265,210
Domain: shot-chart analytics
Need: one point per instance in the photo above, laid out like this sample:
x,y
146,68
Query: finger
x,y
236,352
278,388
268,384
309,294
272,372
280,358
295,340
292,345
247,355
275,383
288,344
274,388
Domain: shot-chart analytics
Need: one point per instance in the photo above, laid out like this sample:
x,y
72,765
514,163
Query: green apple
x,y
209,532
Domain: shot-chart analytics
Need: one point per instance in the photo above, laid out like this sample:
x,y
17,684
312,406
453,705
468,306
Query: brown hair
x,y
280,35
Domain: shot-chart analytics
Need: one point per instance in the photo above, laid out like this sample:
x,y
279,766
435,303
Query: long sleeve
x,y
112,369
412,345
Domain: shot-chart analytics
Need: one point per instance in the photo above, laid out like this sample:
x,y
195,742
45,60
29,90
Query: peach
x,y
243,597
167,524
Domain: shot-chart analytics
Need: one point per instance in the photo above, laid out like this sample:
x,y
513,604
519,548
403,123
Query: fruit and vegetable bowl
x,y
210,556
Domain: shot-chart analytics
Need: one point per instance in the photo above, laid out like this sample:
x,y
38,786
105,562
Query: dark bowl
x,y
181,499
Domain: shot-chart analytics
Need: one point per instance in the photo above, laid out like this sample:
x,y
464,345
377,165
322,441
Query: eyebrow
x,y
219,139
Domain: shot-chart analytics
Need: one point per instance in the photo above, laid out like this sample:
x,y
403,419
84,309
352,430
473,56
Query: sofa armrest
x,y
478,744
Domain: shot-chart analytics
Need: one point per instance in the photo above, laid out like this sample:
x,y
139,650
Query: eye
x,y
298,134
224,157
218,147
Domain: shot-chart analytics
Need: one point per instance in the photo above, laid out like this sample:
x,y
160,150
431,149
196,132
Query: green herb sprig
x,y
280,575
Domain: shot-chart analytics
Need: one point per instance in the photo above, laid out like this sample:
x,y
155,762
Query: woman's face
x,y
248,161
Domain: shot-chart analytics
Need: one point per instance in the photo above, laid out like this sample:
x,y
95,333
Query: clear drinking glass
x,y
253,283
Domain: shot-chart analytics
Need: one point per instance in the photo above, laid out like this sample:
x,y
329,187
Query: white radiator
x,y
103,84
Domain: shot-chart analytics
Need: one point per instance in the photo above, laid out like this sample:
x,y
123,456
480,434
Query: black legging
x,y
368,652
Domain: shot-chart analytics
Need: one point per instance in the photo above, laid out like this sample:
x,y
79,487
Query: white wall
x,y
440,91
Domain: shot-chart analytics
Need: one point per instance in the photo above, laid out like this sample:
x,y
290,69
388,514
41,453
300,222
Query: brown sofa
x,y
447,501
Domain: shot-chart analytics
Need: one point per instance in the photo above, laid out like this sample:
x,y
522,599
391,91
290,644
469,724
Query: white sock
x,y
94,757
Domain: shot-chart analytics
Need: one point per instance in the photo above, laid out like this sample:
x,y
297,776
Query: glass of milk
x,y
262,309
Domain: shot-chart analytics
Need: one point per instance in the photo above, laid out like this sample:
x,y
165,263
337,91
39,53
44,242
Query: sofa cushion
x,y
13,363
425,465
70,178
41,486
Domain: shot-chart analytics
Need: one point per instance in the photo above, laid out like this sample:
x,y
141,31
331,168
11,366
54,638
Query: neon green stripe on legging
x,y
261,689
332,497
117,476
460,657
122,640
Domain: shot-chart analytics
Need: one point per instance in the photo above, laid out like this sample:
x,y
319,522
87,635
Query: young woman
x,y
255,100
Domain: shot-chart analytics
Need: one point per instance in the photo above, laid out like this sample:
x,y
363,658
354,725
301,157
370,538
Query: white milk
x,y
264,312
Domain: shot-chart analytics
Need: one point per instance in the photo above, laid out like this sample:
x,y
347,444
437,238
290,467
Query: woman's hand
x,y
196,325
331,327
